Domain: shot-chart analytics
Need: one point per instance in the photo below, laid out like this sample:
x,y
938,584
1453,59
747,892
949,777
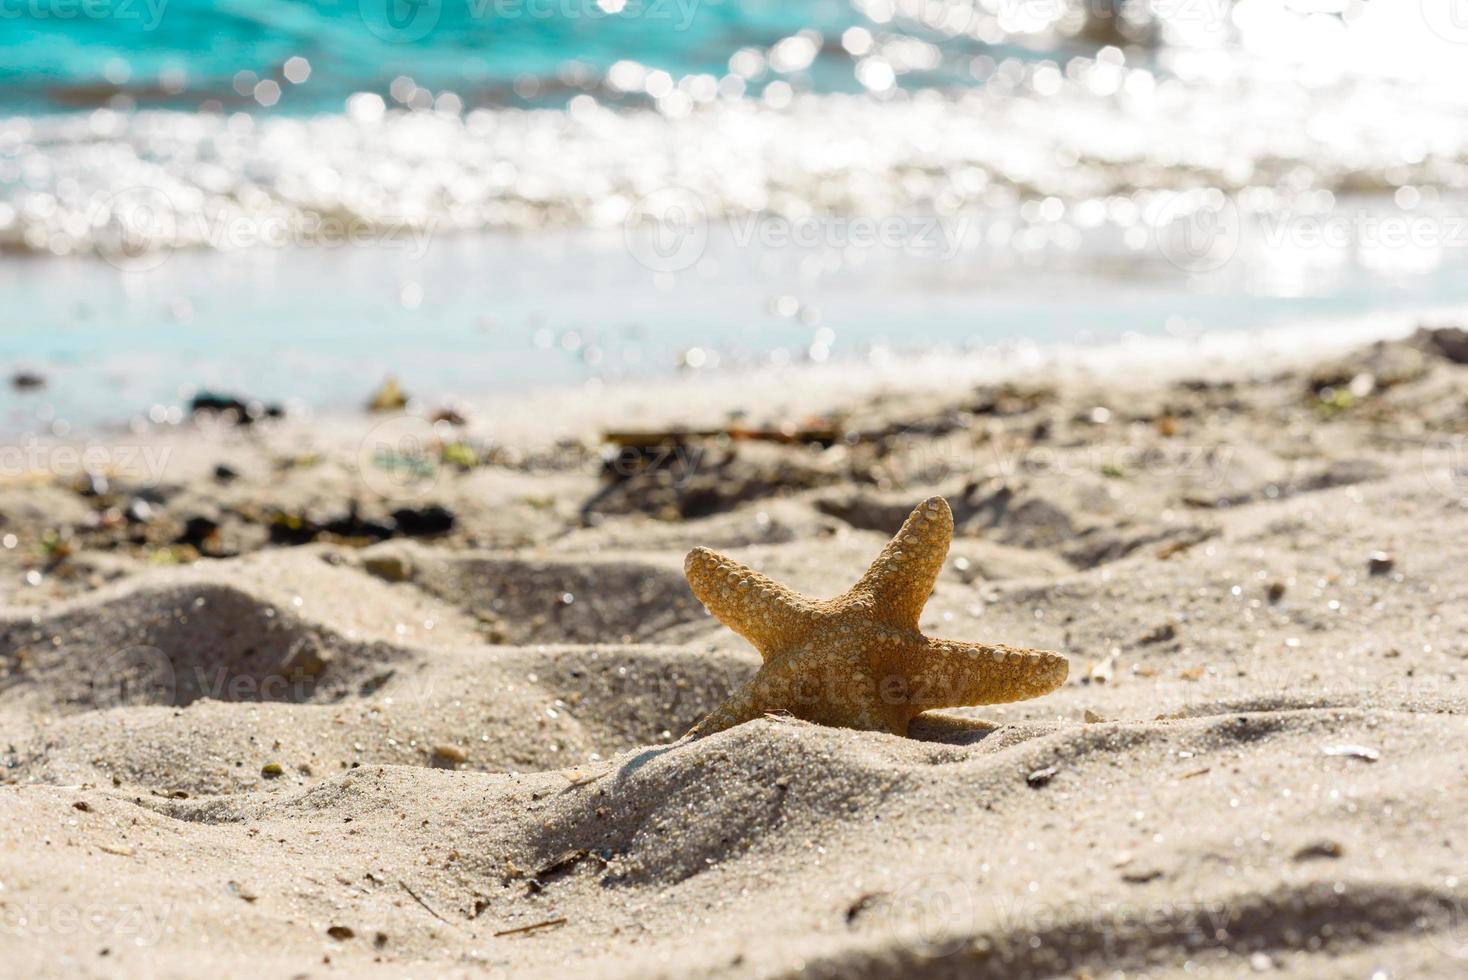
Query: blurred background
x,y
291,201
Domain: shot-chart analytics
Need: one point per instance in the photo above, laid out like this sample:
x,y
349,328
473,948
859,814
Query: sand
x,y
279,752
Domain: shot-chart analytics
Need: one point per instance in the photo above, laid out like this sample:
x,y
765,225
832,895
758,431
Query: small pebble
x,y
1040,777
1380,563
1102,671
390,397
389,568
449,755
1159,634
1319,849
1362,752
241,892
1140,876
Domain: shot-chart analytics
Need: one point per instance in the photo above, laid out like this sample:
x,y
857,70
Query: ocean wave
x,y
1098,142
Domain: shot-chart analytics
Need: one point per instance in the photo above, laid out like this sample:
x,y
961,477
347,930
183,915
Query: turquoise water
x,y
179,53
292,200
478,316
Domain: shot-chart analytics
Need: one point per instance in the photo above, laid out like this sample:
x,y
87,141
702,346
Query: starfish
x,y
859,660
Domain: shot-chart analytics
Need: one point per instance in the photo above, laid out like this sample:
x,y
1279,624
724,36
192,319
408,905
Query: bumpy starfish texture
x,y
859,660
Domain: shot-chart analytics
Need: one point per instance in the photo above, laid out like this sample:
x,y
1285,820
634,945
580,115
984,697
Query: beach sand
x,y
314,753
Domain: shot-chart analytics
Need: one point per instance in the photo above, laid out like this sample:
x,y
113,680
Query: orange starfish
x,y
859,660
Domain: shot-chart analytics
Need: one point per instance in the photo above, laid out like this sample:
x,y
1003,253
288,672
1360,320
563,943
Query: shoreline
x,y
542,414
494,312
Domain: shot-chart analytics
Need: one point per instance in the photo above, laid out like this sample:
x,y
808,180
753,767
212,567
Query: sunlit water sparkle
x,y
247,213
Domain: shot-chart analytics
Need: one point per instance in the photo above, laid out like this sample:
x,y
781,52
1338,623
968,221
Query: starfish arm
x,y
764,612
772,688
743,706
955,675
901,579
